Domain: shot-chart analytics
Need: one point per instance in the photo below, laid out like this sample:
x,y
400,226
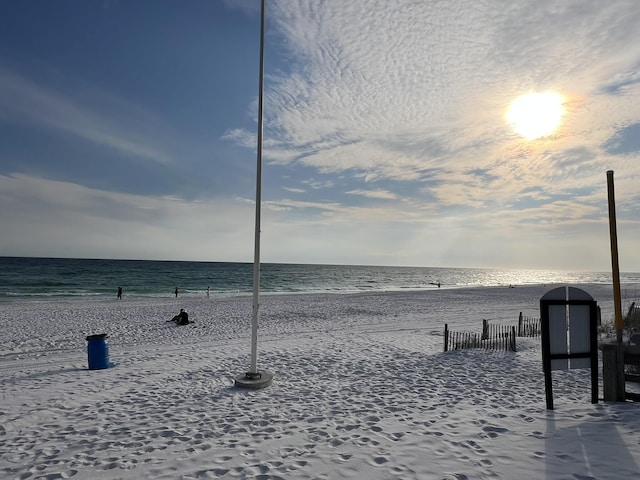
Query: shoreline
x,y
221,296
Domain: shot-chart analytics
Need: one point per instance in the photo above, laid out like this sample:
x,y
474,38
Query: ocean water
x,y
59,278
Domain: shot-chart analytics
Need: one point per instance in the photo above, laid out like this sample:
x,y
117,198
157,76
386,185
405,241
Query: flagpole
x,y
254,378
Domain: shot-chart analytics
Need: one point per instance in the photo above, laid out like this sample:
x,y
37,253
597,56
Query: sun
x,y
536,115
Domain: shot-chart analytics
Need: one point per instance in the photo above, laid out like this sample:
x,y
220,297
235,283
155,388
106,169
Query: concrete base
x,y
254,380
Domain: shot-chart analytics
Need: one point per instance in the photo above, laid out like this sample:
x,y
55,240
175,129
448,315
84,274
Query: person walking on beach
x,y
207,292
119,293
176,292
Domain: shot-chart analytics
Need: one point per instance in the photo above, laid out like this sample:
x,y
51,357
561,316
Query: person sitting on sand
x,y
181,319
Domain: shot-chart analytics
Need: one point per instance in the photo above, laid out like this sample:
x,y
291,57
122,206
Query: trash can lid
x,y
99,336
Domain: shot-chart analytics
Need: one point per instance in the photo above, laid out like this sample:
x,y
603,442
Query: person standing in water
x,y
208,289
119,293
176,292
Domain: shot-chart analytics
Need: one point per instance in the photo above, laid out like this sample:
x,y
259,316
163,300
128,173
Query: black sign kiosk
x,y
569,319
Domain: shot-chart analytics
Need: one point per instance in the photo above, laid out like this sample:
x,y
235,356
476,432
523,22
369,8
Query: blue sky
x,y
129,131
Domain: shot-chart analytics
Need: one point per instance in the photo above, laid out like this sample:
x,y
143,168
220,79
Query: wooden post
x,y
446,337
613,235
520,325
613,390
617,302
599,317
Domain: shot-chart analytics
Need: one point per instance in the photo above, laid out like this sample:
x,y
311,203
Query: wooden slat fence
x,y
529,326
494,337
632,368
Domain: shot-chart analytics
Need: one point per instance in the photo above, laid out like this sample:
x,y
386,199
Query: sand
x,y
362,390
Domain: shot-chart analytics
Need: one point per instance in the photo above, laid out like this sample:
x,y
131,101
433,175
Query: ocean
x,y
24,278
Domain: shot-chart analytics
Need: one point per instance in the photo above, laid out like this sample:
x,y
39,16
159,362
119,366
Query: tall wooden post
x,y
613,234
617,302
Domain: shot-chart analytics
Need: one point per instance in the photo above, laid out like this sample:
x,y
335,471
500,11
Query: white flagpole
x,y
253,378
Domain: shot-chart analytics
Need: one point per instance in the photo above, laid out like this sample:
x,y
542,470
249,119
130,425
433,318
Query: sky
x,y
129,130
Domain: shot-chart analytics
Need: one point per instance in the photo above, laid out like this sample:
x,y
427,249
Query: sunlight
x,y
536,115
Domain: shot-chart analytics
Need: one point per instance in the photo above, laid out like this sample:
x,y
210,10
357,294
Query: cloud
x,y
625,141
240,137
385,142
294,190
105,120
417,91
623,81
380,194
54,218
49,218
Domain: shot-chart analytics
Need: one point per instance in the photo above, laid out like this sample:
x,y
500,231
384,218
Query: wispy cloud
x,y
82,221
417,91
381,194
241,137
294,190
94,116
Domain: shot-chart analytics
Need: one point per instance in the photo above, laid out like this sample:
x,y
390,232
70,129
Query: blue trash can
x,y
98,351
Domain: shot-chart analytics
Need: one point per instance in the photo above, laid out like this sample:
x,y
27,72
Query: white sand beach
x,y
361,390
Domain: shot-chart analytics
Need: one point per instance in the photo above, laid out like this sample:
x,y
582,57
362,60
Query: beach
x,y
361,389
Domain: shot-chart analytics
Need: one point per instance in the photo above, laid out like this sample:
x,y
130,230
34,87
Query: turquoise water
x,y
51,278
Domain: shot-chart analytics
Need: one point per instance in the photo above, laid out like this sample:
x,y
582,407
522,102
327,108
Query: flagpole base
x,y
254,380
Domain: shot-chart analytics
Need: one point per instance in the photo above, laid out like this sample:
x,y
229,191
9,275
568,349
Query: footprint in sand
x,y
379,460
526,418
50,452
493,432
341,458
474,446
218,472
336,442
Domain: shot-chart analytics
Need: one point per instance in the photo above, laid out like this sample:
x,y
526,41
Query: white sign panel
x,y
579,334
558,335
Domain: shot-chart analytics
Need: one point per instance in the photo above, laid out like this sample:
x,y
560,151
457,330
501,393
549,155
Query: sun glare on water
x,y
536,115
